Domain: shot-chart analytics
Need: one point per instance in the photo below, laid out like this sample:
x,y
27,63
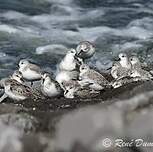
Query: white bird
x,y
85,49
17,91
118,72
50,87
17,75
30,71
96,80
137,70
66,76
124,61
73,91
69,62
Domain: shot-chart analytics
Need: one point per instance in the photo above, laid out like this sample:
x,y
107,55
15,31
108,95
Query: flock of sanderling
x,y
74,77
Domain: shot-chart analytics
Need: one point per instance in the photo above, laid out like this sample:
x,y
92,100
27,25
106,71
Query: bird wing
x,y
20,89
36,68
94,75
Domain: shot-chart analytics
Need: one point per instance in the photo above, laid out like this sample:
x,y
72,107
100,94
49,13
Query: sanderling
x,y
117,71
70,84
66,76
135,62
124,61
96,80
137,70
85,92
143,74
17,75
123,81
15,90
69,63
50,87
85,50
30,71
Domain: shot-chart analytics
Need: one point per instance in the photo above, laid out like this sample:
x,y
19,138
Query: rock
x,y
88,126
23,122
10,139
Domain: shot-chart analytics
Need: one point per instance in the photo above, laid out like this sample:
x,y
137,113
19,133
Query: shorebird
x,y
143,74
118,72
17,91
85,49
71,83
123,81
95,79
17,75
138,71
69,62
81,92
135,62
50,87
30,72
124,61
66,76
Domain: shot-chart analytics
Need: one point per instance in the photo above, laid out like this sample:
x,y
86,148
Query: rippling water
x,y
42,30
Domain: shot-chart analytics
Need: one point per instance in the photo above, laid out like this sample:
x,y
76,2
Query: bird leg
x,y
3,97
31,83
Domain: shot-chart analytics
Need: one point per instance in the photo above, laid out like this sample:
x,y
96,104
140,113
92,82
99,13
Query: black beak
x,y
80,52
43,80
109,68
66,91
117,59
22,80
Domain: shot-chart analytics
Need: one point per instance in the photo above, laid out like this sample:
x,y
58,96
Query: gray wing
x,y
36,68
100,79
20,89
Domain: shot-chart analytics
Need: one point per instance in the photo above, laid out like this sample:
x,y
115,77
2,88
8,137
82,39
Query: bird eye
x,y
123,56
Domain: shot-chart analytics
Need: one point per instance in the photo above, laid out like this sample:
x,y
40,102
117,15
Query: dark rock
x,y
9,139
23,122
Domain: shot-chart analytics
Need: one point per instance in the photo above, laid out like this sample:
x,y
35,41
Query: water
x,y
42,30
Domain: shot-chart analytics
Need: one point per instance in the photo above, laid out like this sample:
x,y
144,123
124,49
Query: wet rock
x,y
88,126
11,108
25,123
9,139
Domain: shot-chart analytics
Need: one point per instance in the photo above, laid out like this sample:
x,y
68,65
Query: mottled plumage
x,y
85,49
18,91
138,71
124,61
80,92
118,71
50,87
98,82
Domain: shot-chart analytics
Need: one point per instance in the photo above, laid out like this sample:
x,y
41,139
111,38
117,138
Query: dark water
x,y
42,30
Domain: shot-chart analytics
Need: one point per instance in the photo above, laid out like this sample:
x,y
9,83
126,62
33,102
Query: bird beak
x,y
117,59
22,80
66,91
109,68
80,52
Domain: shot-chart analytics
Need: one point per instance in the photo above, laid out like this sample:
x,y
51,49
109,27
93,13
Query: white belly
x,y
63,76
51,90
31,75
69,66
14,96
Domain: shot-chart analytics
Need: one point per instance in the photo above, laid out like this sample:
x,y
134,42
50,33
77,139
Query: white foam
x,y
13,15
53,48
8,28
